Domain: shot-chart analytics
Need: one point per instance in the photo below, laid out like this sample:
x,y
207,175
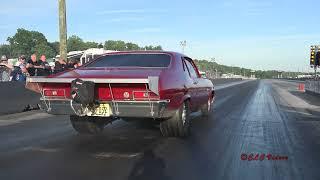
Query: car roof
x,y
145,52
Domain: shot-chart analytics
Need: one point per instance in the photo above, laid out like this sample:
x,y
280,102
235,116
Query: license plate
x,y
103,110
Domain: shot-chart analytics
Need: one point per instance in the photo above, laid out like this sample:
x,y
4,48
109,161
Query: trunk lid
x,y
111,73
107,91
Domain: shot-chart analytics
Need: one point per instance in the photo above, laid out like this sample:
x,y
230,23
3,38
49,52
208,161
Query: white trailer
x,y
87,55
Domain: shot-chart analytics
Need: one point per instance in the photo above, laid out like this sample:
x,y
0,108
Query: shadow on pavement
x,y
149,167
309,98
304,126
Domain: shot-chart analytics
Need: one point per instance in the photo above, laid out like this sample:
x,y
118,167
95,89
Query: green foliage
x,y
55,46
210,67
28,42
89,45
153,48
123,46
131,46
5,49
115,45
45,49
100,45
158,48
75,43
274,74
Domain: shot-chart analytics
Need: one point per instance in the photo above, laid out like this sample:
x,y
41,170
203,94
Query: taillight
x,y
123,92
60,90
144,95
54,92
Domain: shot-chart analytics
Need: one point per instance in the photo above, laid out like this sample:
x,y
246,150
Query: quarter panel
x,y
172,83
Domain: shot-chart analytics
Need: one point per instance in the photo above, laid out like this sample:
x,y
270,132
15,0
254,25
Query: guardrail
x,y
298,79
312,86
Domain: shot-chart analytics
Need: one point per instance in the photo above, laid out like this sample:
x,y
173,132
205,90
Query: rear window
x,y
132,60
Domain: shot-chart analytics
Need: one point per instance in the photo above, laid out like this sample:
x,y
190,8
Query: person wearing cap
x,y
5,69
20,73
4,62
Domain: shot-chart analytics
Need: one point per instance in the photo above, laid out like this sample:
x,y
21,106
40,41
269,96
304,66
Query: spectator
x,y
5,69
60,66
20,73
46,71
4,62
72,64
78,64
22,60
33,65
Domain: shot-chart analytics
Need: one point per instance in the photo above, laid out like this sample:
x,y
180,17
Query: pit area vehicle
x,y
162,86
86,55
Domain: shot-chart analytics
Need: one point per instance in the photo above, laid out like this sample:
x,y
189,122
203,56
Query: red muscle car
x,y
160,85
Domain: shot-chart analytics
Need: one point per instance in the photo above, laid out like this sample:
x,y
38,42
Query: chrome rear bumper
x,y
134,109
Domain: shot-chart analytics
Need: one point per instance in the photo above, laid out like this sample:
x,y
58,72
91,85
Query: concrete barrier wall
x,y
298,79
312,86
14,97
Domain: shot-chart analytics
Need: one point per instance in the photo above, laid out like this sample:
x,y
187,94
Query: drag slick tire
x,y
178,125
87,125
206,109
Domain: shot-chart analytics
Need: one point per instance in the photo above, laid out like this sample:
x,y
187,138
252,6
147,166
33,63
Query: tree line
x,y
29,42
26,42
211,67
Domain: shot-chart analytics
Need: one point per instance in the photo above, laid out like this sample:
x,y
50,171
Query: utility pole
x,y
213,60
63,29
183,44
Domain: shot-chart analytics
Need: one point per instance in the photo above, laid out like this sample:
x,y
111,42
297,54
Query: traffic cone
x,y
301,87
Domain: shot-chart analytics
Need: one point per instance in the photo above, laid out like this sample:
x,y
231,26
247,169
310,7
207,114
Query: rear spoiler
x,y
35,83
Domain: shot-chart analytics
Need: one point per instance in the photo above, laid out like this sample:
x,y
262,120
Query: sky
x,y
256,34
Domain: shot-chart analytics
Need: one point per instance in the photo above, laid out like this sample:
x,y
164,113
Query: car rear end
x,y
125,85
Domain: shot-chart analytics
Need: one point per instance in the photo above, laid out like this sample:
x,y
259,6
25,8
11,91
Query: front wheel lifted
x,y
179,124
87,125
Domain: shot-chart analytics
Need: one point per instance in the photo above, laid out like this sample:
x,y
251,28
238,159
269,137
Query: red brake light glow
x,y
144,95
54,92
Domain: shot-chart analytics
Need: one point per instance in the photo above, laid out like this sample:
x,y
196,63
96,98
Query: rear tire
x,y
86,125
206,109
178,125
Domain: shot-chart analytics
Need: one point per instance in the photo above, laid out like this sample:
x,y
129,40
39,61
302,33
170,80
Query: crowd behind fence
x,y
24,68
